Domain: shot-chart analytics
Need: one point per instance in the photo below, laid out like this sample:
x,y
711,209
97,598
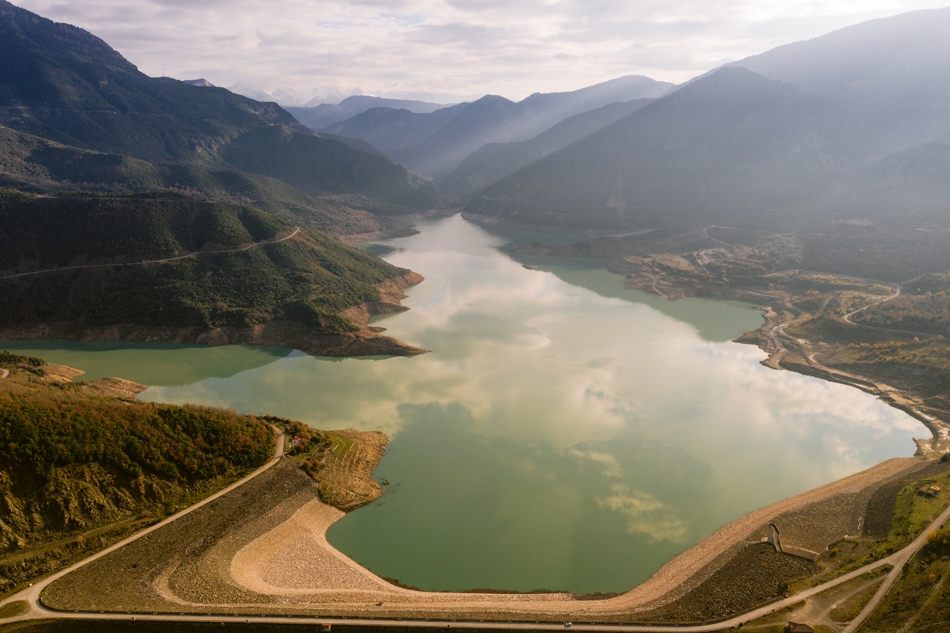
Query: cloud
x,y
611,467
645,514
459,47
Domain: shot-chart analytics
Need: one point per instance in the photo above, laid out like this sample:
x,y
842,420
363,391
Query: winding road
x,y
37,611
165,260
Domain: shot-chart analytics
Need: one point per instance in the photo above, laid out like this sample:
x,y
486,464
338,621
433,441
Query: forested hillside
x,y
86,470
309,279
33,164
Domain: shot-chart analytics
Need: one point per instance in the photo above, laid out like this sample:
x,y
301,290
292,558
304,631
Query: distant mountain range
x,y
290,97
321,116
493,161
758,138
434,144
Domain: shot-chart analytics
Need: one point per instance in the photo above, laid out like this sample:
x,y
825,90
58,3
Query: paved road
x,y
899,560
848,316
706,233
158,261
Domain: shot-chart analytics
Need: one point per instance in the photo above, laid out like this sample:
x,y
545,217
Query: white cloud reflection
x,y
532,359
645,514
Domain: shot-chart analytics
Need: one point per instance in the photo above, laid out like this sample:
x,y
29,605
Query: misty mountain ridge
x,y
296,98
493,161
62,83
321,116
892,73
810,126
728,143
434,144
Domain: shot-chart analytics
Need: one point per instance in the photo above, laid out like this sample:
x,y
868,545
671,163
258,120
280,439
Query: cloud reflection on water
x,y
624,410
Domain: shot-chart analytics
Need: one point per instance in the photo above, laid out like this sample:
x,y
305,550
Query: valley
x,y
271,556
676,357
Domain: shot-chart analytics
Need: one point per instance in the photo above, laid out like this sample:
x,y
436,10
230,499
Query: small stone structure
x,y
774,538
798,627
930,490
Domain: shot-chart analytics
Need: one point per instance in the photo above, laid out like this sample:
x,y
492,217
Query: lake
x,y
564,433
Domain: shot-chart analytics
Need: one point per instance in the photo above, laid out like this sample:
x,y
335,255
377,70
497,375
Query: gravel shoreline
x,y
263,549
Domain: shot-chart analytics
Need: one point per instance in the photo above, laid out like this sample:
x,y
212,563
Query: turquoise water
x,y
564,433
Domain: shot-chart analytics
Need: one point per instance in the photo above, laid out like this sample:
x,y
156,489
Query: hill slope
x,y
731,142
395,132
64,84
892,73
434,144
36,165
909,189
318,165
79,472
493,161
294,290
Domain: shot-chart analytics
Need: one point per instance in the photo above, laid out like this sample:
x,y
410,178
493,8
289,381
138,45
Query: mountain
x,y
891,73
909,189
323,115
61,83
203,83
493,161
32,164
434,144
728,143
290,97
308,279
396,133
251,93
317,165
853,101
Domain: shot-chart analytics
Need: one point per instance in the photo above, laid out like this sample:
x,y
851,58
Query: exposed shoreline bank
x,y
367,341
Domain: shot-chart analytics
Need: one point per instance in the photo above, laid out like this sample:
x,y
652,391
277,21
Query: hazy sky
x,y
463,47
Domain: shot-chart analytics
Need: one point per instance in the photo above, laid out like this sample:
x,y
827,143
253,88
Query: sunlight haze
x,y
447,50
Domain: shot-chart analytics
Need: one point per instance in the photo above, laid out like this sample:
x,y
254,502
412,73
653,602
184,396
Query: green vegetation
x,y
7,359
925,364
920,600
53,431
920,313
14,609
30,163
913,512
310,278
78,472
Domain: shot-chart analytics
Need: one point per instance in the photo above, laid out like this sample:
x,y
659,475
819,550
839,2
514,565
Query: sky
x,y
442,49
